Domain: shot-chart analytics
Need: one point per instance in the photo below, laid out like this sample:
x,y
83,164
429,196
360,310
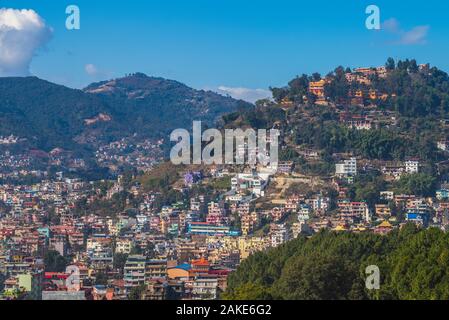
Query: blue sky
x,y
228,43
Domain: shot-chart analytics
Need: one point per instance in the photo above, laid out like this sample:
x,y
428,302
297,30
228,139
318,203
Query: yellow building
x,y
317,88
340,228
383,210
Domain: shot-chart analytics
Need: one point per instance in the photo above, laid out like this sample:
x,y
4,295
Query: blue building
x,y
418,218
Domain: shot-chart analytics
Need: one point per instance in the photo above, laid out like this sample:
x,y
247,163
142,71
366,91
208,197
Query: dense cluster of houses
x,y
187,249
53,248
142,155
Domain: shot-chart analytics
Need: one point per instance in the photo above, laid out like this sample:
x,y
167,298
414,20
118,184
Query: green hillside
x,y
50,115
414,264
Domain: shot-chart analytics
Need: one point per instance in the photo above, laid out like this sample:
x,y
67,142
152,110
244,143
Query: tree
x,y
316,76
339,87
316,277
136,293
299,86
390,64
136,250
413,67
120,261
101,279
2,282
54,262
249,291
367,188
420,184
279,93
414,264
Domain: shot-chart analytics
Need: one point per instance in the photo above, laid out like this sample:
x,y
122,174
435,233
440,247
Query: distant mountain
x,y
50,115
150,103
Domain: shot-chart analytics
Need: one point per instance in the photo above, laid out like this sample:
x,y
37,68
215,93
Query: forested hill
x,y
404,107
47,114
50,115
403,86
413,263
156,104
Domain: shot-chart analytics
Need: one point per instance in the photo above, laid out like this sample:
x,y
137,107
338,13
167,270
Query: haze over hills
x,y
50,115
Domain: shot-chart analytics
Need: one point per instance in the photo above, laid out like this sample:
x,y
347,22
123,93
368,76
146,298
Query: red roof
x,y
200,262
57,275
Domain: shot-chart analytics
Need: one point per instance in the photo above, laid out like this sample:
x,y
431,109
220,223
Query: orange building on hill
x,y
200,266
317,88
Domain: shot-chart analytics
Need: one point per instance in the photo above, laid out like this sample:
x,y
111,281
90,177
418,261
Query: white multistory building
x,y
412,166
346,168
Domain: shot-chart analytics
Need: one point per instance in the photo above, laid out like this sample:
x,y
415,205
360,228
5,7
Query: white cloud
x,y
91,69
22,33
250,95
391,25
417,35
96,72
